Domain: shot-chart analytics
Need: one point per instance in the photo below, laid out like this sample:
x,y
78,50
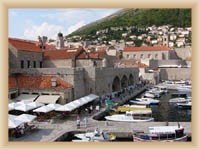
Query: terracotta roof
x,y
61,54
25,45
129,63
92,55
39,82
12,82
148,48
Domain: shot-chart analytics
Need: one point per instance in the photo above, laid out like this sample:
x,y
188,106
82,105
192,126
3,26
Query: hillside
x,y
138,18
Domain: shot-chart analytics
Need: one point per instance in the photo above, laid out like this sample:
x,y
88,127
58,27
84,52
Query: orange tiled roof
x,y
12,82
61,54
138,64
92,55
39,82
148,48
24,45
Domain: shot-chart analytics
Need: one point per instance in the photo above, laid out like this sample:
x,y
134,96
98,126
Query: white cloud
x,y
72,15
75,27
44,29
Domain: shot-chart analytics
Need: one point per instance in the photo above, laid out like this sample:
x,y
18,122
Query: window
x,y
134,56
127,56
22,64
149,55
28,64
141,56
34,64
156,55
40,64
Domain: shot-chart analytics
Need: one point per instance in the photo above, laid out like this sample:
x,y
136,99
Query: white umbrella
x,y
12,123
54,106
72,105
63,108
11,116
24,107
83,101
25,118
77,103
22,102
12,106
43,109
35,104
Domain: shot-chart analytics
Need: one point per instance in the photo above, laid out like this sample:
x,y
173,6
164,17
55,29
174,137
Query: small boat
x,y
125,109
161,134
95,136
184,88
175,95
147,94
145,101
178,100
139,102
128,117
186,105
151,100
134,106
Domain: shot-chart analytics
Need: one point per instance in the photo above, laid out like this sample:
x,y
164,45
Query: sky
x,y
30,23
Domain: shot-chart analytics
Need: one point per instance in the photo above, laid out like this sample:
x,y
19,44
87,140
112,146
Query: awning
x,y
25,118
48,99
27,97
35,104
24,107
12,123
54,106
77,103
43,109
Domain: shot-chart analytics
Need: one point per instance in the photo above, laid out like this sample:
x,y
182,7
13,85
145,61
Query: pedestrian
x,y
97,107
85,122
78,122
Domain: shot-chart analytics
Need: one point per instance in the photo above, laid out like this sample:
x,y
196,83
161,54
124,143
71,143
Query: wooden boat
x,y
161,134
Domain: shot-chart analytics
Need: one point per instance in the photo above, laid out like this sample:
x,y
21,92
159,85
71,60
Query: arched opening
x,y
116,84
124,82
130,81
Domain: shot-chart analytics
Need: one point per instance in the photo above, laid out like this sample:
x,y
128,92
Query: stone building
x,y
24,54
154,52
77,71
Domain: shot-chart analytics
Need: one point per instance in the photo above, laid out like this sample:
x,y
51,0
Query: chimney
x,y
53,82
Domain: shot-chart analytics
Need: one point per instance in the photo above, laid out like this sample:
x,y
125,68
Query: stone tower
x,y
60,41
165,40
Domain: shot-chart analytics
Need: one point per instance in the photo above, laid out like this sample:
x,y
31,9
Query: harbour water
x,y
166,111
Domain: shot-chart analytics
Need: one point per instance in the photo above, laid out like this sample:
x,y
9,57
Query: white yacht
x,y
178,100
128,117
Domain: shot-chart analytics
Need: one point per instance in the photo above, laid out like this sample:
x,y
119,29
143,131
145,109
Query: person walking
x,y
78,122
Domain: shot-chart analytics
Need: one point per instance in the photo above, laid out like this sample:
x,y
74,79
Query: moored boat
x,y
178,100
186,105
128,117
161,133
145,101
95,136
